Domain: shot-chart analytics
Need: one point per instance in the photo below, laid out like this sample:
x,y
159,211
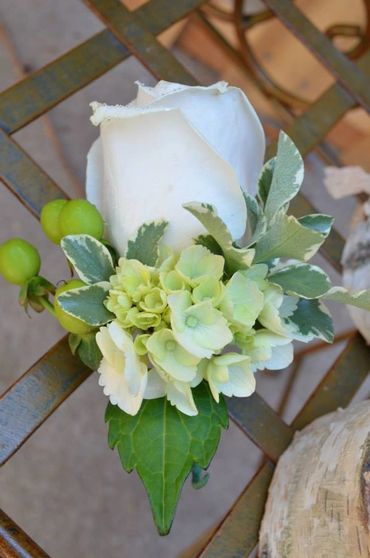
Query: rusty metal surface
x,y
38,393
15,543
24,178
321,46
42,389
45,88
130,29
261,424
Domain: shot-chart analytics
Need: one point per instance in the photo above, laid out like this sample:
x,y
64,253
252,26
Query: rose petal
x,y
158,156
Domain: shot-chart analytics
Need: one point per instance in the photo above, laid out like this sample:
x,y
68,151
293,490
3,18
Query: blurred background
x,y
65,487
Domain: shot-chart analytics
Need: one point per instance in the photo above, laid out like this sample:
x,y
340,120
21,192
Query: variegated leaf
x,y
236,258
361,299
311,319
288,238
303,280
90,258
287,176
87,304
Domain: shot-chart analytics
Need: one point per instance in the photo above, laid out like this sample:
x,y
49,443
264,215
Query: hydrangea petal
x,y
165,352
200,328
242,302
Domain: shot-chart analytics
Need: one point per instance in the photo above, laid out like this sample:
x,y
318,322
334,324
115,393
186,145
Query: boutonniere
x,y
190,274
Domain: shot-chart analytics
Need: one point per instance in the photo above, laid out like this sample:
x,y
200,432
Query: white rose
x,y
174,144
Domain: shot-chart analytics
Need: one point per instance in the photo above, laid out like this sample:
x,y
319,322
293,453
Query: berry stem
x,y
47,305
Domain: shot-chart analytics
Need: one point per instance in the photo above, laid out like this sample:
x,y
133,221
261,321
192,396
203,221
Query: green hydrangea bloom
x,y
276,307
140,344
154,301
230,374
145,320
168,355
199,328
242,302
172,281
132,276
210,289
197,262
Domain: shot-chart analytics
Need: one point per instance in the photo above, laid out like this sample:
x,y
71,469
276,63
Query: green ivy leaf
x,y
309,320
265,180
145,246
303,280
288,238
361,299
235,258
87,304
287,176
163,444
90,258
89,352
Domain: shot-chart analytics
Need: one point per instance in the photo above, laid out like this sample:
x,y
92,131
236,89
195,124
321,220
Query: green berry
x,y
50,220
71,324
19,261
81,217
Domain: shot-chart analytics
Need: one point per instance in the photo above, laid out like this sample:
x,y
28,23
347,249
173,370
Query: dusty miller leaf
x,y
144,247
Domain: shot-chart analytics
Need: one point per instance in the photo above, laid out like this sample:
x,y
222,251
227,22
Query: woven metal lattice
x,y
38,392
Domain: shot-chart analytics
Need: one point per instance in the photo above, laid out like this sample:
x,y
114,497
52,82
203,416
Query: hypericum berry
x,y
19,261
81,217
49,220
70,323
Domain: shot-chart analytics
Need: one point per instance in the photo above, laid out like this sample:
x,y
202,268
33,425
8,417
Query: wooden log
x,y
319,499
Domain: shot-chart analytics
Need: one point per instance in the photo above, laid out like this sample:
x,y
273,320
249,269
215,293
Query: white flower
x,y
230,374
122,373
178,393
172,145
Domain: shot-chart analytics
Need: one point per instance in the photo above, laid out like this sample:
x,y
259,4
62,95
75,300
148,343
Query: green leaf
x,y
73,341
235,258
89,352
90,258
145,246
287,176
86,303
163,444
361,299
256,219
288,238
303,280
265,179
311,319
318,222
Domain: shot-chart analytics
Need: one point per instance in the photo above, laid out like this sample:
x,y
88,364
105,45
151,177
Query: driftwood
x,y
356,255
319,498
